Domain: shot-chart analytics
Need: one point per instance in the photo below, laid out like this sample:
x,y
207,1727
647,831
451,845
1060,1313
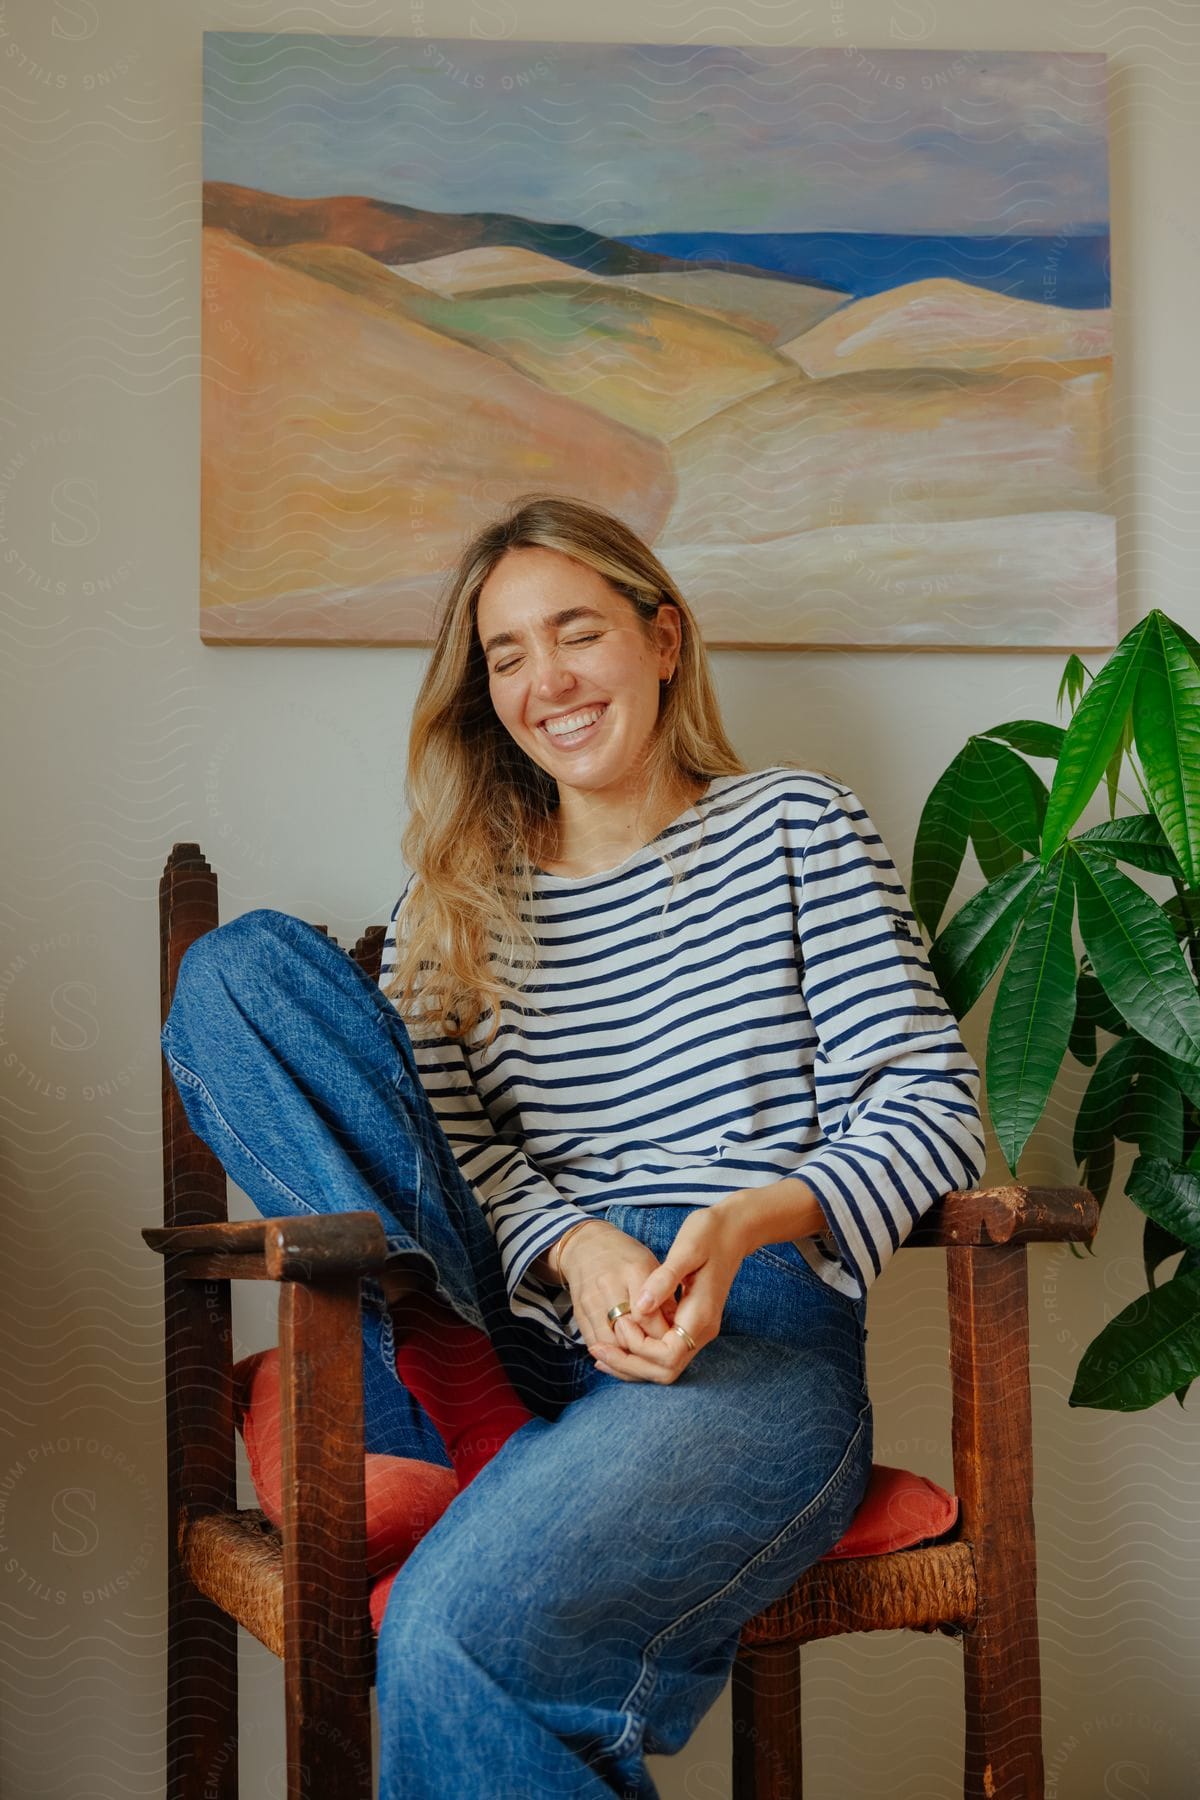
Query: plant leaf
x,y
1074,676
1136,957
1157,1246
1097,1172
1183,910
1092,737
1152,1113
1100,1007
1148,1351
942,840
1185,1268
1135,838
1190,644
993,850
1030,736
972,947
1112,774
1031,1019
1082,1041
1100,1109
1039,795
1186,1077
1166,723
1005,794
1169,1195
1094,1012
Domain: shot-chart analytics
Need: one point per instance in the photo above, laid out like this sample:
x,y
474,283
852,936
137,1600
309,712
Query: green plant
x,y
1137,980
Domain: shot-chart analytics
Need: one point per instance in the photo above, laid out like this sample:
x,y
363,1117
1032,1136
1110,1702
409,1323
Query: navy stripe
x,y
765,1016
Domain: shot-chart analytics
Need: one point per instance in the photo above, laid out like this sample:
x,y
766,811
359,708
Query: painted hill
x,y
900,450
944,324
767,307
650,364
936,473
774,309
1044,578
500,265
348,448
393,234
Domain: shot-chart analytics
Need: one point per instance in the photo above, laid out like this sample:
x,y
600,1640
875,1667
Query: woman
x,y
655,1082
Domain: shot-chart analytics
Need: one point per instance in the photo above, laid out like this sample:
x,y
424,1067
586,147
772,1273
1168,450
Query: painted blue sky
x,y
633,139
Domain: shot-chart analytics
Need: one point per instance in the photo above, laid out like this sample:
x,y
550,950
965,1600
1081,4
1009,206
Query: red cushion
x,y
405,1496
898,1510
379,1598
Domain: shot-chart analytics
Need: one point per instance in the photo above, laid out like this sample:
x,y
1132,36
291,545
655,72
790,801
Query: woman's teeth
x,y
565,731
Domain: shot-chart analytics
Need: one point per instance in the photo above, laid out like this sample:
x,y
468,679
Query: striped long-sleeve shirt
x,y
776,1016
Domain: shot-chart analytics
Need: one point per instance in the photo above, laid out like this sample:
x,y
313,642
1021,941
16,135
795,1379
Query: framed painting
x,y
830,329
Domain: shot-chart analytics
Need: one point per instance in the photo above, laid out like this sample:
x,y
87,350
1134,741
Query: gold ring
x,y
687,1337
618,1311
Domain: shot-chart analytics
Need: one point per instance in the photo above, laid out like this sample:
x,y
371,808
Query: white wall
x,y
125,734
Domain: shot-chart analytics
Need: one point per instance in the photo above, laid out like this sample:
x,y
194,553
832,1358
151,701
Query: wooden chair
x,y
303,1591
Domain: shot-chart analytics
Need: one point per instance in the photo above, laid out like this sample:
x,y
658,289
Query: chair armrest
x,y
1008,1215
299,1248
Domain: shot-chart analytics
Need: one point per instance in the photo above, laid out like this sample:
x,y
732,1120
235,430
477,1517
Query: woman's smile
x,y
581,725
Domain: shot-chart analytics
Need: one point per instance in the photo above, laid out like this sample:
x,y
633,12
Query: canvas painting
x,y
830,329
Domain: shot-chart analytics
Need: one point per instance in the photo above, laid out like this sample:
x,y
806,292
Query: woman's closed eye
x,y
504,667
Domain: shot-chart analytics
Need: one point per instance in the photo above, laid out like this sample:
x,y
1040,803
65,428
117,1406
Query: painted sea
x,y
1058,269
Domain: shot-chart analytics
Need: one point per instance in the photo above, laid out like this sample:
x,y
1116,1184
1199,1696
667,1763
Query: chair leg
x,y
766,1723
202,1664
993,1476
1003,1703
329,1649
202,1696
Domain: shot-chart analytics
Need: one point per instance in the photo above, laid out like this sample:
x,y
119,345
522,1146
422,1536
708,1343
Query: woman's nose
x,y
552,672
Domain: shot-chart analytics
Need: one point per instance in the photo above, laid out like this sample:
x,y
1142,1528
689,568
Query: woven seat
x,y
303,1590
929,1589
237,1560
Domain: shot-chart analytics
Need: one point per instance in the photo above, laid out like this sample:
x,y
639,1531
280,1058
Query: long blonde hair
x,y
478,805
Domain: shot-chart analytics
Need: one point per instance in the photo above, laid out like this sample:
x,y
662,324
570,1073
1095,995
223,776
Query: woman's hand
x,y
704,1257
601,1265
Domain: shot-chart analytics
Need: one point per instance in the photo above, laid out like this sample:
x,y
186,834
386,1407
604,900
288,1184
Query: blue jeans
x,y
579,1603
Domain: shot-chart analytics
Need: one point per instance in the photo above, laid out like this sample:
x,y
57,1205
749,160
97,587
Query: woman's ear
x,y
670,635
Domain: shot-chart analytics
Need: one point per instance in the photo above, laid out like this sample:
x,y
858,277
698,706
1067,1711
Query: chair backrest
x,y
194,1191
194,1185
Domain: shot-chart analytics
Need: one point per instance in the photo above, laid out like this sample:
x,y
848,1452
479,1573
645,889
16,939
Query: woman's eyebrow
x,y
563,617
